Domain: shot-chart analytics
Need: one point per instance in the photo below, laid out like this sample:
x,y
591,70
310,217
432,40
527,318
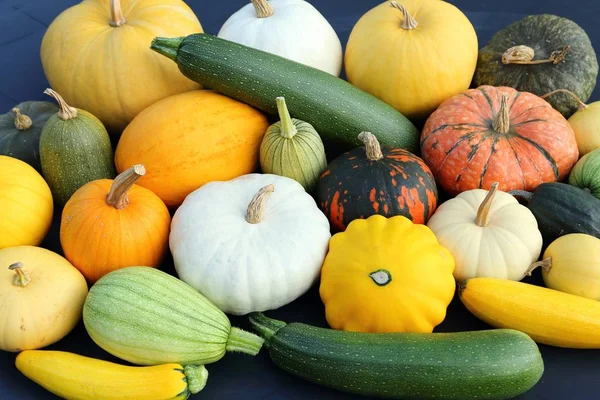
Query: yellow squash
x,y
546,315
76,377
386,275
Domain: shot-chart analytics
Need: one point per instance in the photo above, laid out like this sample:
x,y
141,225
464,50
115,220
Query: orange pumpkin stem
x,y
254,213
288,129
116,14
263,8
117,196
22,122
582,105
65,111
501,123
524,55
409,21
372,146
546,264
22,277
482,219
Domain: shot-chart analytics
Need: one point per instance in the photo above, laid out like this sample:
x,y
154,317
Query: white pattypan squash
x,y
254,243
489,234
293,29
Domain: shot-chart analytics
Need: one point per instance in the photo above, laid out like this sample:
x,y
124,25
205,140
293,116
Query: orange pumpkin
x,y
107,225
497,134
190,139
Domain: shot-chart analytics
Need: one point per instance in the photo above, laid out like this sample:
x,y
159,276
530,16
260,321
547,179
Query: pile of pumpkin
x,y
245,184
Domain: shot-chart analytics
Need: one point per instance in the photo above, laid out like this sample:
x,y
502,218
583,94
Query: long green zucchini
x,y
338,110
488,364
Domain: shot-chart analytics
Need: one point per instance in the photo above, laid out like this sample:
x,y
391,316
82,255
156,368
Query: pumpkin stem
x,y
243,342
522,193
197,376
372,146
524,55
255,210
263,8
22,122
288,129
501,123
483,212
582,105
116,14
545,263
381,277
65,111
409,21
22,277
117,195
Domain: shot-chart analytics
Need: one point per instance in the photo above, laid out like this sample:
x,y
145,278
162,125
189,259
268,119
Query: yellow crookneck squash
x,y
96,55
386,275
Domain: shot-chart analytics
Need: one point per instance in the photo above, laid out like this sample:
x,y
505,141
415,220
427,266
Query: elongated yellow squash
x,y
72,376
546,315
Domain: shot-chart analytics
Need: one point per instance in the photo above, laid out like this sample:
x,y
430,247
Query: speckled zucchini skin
x,y
544,33
487,364
338,110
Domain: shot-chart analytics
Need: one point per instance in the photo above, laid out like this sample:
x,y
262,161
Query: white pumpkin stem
x,y
501,123
118,193
22,276
482,219
65,111
254,213
524,55
263,8
116,14
372,146
22,122
288,129
409,21
546,264
581,104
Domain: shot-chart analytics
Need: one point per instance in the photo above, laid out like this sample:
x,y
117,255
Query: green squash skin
x,y
335,108
487,364
544,33
25,144
586,173
74,152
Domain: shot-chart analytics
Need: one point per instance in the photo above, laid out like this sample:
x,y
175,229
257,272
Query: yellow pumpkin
x,y
386,275
412,54
96,55
41,297
26,205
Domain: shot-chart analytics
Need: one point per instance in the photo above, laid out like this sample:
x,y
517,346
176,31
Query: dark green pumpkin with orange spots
x,y
373,180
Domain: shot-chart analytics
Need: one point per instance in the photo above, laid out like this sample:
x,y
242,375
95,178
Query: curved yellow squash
x,y
546,315
72,376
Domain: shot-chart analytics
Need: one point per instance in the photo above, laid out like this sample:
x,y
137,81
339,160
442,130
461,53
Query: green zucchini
x,y
338,110
487,364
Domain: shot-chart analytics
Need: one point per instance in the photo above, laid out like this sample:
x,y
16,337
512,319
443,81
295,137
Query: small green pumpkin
x,y
586,173
74,149
293,148
539,54
20,131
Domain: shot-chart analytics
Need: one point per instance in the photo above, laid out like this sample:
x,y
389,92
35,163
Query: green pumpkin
x,y
586,173
74,149
293,148
539,54
20,131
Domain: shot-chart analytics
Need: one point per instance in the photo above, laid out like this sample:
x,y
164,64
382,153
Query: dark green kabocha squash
x,y
20,131
539,54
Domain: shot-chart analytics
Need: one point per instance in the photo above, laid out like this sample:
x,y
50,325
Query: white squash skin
x,y
296,31
504,249
243,267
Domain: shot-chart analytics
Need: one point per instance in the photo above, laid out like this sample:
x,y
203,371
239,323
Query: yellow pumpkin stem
x,y
254,213
409,21
22,122
372,146
483,212
116,14
263,8
22,277
545,263
524,55
117,195
288,129
582,105
501,123
65,111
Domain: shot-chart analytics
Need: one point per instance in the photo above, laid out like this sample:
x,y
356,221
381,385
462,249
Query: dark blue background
x,y
569,374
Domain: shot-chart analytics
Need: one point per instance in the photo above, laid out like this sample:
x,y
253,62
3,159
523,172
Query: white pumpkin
x,y
293,29
254,243
489,234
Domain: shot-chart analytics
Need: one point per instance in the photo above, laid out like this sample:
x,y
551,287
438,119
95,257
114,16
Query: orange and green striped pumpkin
x,y
373,180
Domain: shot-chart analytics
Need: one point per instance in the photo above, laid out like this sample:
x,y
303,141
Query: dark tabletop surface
x,y
569,374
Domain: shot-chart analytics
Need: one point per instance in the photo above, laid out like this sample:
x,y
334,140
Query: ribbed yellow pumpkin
x,y
96,55
412,54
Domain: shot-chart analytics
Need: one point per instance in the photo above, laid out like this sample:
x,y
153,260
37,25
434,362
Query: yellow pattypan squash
x,y
386,275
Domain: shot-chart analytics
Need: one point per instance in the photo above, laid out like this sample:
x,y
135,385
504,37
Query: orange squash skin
x,y
190,139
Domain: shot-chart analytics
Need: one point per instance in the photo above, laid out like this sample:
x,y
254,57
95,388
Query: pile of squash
x,y
438,169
